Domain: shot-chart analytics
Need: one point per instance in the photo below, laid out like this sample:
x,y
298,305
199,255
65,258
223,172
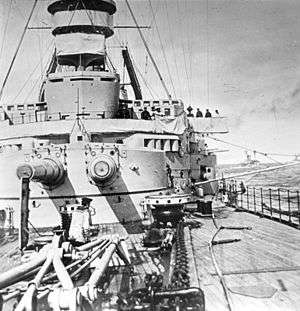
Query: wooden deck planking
x,y
285,288
214,298
238,255
269,244
279,299
273,230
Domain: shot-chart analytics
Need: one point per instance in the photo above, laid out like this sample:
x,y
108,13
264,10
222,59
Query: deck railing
x,y
279,204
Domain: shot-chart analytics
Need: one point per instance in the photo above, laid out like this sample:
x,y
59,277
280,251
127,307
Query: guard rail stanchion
x,y
279,204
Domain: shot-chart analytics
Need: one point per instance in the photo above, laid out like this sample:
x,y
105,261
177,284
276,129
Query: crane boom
x,y
131,72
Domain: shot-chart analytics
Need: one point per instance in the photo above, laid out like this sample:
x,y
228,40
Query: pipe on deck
x,y
102,265
91,244
26,303
91,290
62,273
11,276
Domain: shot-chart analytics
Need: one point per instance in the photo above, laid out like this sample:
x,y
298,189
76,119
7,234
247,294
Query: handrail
x,y
35,116
279,204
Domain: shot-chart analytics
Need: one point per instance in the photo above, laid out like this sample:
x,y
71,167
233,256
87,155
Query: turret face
x,y
80,28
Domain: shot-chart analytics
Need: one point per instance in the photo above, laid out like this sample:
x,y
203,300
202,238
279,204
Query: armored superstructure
x,y
144,235
80,139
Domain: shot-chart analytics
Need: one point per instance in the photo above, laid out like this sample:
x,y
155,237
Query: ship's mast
x,y
81,29
81,83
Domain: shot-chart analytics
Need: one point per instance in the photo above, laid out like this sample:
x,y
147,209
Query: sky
x,y
240,57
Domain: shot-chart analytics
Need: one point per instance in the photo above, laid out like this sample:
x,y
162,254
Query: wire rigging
x,y
31,74
207,53
5,29
155,13
39,36
162,46
148,51
266,154
18,9
152,39
189,50
151,91
31,90
184,54
18,48
173,45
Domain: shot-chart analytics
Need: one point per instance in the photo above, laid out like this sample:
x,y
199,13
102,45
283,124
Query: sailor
x,y
126,114
217,113
207,114
86,202
243,188
190,114
199,114
119,114
123,112
81,221
145,115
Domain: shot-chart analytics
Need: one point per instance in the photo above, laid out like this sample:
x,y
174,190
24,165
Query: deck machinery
x,y
73,144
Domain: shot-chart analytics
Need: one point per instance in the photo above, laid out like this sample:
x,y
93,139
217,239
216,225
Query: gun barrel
x,y
102,169
46,171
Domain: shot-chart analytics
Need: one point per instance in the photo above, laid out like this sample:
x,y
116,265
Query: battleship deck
x,y
265,263
262,271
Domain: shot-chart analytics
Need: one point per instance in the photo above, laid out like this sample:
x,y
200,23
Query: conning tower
x,y
82,82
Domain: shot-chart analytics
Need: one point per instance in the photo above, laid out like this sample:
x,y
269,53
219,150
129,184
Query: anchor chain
x,y
160,295
180,278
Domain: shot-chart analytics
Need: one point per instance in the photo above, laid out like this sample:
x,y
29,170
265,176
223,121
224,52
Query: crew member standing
x,y
199,113
145,115
207,114
190,114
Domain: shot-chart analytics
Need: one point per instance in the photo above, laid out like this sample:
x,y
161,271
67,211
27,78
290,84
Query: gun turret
x,y
47,171
102,170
